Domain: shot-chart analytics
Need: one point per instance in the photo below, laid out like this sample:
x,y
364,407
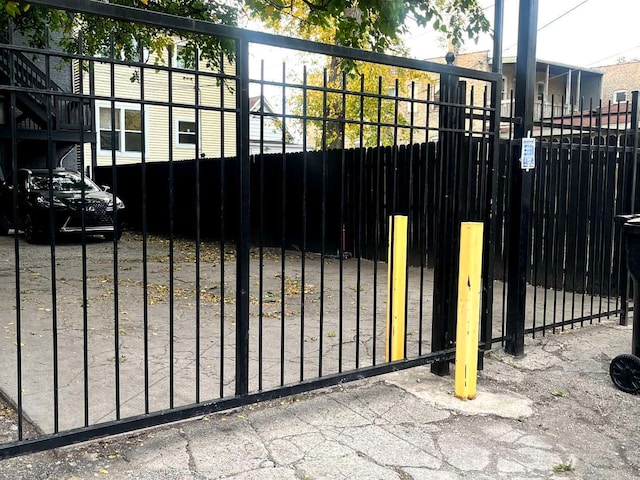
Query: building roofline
x,y
511,60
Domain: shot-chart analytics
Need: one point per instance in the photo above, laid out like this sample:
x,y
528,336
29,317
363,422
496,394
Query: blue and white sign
x,y
528,154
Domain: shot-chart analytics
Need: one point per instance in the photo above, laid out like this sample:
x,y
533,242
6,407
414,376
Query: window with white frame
x,y
619,96
120,129
184,57
186,133
540,90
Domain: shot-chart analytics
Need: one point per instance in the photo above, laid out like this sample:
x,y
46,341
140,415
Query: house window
x,y
619,96
186,132
504,95
540,90
184,58
120,131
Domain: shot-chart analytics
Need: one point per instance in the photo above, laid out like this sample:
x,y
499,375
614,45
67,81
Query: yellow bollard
x,y
469,289
397,287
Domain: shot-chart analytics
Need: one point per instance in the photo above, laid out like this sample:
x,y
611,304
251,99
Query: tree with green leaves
x,y
369,24
374,25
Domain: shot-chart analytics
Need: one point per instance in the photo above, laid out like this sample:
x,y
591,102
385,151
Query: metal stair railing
x,y
64,111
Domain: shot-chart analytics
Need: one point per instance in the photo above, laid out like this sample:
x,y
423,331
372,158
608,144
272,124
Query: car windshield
x,y
62,182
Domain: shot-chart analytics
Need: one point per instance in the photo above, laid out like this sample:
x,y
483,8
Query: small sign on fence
x,y
528,154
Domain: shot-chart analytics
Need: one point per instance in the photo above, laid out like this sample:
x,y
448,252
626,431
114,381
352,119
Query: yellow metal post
x,y
397,287
469,289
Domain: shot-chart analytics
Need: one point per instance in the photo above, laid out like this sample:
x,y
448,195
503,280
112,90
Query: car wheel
x,y
625,373
29,230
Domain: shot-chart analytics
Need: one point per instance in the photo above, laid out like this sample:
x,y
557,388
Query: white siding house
x,y
266,134
160,113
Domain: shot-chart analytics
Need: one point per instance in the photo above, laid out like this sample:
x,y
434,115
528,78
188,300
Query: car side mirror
x,y
106,188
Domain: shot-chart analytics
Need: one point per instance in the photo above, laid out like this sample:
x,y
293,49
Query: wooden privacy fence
x,y
579,188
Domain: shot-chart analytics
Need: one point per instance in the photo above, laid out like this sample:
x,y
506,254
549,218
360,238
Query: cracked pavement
x,y
552,414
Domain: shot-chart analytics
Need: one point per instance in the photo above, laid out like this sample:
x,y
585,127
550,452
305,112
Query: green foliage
x,y
564,467
373,101
104,36
370,24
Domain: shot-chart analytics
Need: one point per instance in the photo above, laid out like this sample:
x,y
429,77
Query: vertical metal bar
x,y
171,233
600,167
390,215
556,220
196,57
623,153
341,248
16,237
490,198
498,28
535,234
410,208
410,212
261,227
85,296
623,274
114,181
145,270
423,226
361,152
521,180
588,187
635,97
323,214
577,231
51,101
567,209
505,214
223,236
549,216
305,173
242,249
377,189
466,176
283,239
445,283
607,262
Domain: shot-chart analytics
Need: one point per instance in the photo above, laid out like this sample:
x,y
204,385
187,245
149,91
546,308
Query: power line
x,y
614,55
562,15
553,21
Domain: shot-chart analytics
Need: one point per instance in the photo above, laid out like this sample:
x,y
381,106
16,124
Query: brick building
x,y
619,81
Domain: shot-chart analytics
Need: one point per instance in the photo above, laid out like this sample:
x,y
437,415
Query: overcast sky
x,y
593,32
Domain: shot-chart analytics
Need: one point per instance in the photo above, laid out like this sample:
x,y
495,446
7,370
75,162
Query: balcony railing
x,y
541,110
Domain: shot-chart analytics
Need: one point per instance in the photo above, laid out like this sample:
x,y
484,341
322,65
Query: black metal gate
x,y
255,197
585,177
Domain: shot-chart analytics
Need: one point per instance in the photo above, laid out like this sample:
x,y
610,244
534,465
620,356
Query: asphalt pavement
x,y
552,414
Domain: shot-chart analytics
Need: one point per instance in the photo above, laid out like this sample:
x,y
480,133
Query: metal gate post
x,y
242,246
490,234
445,279
623,276
521,180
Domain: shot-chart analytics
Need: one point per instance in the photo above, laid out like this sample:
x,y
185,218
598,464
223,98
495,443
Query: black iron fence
x,y
256,197
247,277
584,178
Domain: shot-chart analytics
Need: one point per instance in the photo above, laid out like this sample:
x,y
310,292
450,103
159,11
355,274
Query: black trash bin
x,y
625,368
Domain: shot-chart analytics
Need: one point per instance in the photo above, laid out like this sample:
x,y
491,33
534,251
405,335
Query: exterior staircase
x,y
45,111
